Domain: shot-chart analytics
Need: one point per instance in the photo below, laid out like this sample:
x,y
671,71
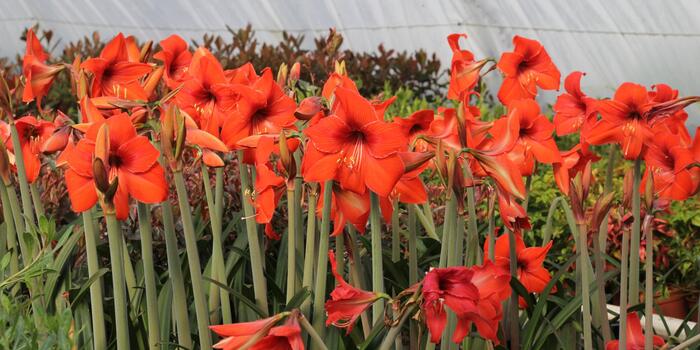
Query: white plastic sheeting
x,y
613,41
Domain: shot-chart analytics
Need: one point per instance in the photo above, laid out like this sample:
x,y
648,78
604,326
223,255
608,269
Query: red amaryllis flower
x,y
126,156
451,286
624,120
176,58
114,74
573,110
336,80
493,284
37,74
526,68
464,71
635,336
355,146
533,140
347,303
415,125
266,111
513,215
410,188
33,133
533,276
263,334
669,161
572,162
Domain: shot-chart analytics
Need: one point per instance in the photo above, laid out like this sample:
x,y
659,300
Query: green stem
x,y
635,238
395,232
340,252
184,335
447,226
649,288
412,269
10,230
624,261
118,284
395,330
310,250
601,248
200,302
218,248
149,274
585,287
688,343
97,309
322,262
514,325
377,263
36,199
355,275
492,228
256,258
318,341
28,211
426,220
473,248
291,246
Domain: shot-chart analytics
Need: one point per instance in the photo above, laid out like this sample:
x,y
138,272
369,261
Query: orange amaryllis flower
x,y
267,110
624,120
635,336
114,74
346,206
33,133
526,68
355,146
669,161
261,334
415,125
573,110
129,158
347,303
533,276
37,74
572,162
464,70
533,141
176,58
206,94
410,188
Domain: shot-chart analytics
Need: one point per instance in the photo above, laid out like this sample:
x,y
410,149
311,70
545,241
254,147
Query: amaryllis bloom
x,y
267,110
206,94
127,157
176,58
346,207
336,80
114,74
347,303
263,334
355,146
512,214
624,120
572,162
669,161
410,188
33,133
451,287
37,74
493,284
415,125
526,68
533,140
635,336
533,276
573,110
464,70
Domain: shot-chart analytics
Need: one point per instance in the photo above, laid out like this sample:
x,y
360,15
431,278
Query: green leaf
x,y
242,298
298,299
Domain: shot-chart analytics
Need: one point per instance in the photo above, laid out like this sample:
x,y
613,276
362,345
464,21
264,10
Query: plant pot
x,y
691,300
674,305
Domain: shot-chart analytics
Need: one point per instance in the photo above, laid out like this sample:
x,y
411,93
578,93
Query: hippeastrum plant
x,y
406,208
